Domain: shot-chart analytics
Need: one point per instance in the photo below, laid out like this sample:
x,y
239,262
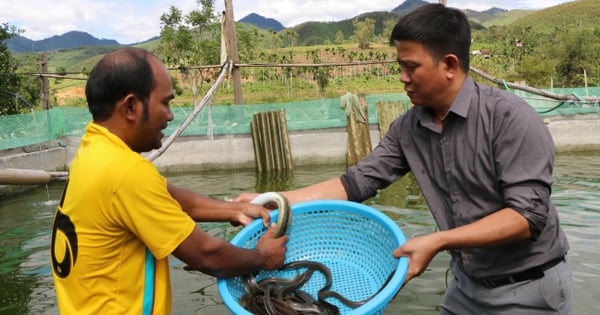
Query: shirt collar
x,y
462,101
95,130
460,105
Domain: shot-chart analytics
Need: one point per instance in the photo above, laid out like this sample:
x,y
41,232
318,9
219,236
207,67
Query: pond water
x,y
25,222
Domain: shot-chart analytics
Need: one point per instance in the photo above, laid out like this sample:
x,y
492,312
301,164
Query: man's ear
x,y
128,106
451,65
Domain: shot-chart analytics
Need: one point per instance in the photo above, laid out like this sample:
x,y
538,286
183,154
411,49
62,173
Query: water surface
x,y
25,224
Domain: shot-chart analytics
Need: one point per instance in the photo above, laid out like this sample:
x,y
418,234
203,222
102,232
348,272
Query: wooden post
x,y
585,82
223,38
232,52
272,149
45,86
387,112
359,137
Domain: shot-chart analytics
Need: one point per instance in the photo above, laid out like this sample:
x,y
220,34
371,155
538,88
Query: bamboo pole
x,y
198,107
270,140
357,117
561,97
387,112
13,176
10,176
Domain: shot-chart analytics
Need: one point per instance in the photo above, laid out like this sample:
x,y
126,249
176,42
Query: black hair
x,y
118,73
440,29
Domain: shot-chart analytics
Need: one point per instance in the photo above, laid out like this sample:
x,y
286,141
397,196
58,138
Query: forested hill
x,y
558,18
309,33
68,40
317,33
581,15
408,6
262,22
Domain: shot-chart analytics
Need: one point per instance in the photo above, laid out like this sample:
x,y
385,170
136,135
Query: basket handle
x,y
285,212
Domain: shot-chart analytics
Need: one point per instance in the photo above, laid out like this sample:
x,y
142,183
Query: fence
x,y
213,120
38,127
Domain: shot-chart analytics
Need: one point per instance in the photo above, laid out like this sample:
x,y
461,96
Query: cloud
x,y
291,13
130,21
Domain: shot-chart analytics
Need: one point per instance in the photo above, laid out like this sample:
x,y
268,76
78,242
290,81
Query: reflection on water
x,y
25,222
25,279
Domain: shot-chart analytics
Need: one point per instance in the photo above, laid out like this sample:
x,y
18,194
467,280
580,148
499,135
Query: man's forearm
x,y
329,189
198,207
499,228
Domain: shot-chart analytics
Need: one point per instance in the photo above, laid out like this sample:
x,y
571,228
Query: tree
x,y
339,37
9,80
536,71
29,86
190,40
388,26
247,42
60,70
363,31
573,51
320,74
292,36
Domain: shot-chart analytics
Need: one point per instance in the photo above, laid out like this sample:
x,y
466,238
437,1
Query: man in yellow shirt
x,y
119,219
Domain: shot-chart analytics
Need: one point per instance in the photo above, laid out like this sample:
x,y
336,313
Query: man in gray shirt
x,y
483,159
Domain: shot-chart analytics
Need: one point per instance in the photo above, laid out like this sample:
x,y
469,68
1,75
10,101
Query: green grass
x,y
262,85
581,14
507,18
302,87
74,59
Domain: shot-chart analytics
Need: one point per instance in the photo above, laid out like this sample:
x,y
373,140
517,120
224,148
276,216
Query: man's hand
x,y
272,249
246,197
248,212
419,251
252,211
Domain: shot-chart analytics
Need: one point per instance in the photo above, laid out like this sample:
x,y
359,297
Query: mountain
x,y
262,22
408,6
486,15
476,16
309,33
318,33
569,17
67,40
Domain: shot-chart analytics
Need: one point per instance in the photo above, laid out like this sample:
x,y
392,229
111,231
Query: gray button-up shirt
x,y
493,151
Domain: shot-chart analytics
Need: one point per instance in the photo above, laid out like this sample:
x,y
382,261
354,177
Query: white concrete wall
x,y
570,133
308,147
575,133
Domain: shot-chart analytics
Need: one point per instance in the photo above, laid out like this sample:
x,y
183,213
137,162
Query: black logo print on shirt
x,y
64,240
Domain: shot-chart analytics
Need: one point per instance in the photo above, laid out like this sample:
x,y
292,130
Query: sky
x,y
131,21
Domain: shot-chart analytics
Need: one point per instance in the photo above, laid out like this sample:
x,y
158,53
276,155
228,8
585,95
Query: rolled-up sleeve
x,y
377,170
524,161
532,203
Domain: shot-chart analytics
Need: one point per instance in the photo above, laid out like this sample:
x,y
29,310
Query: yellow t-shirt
x,y
113,231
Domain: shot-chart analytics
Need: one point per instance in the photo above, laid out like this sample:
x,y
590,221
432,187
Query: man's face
x,y
157,112
424,78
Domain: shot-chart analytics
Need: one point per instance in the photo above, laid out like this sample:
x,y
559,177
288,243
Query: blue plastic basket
x,y
353,240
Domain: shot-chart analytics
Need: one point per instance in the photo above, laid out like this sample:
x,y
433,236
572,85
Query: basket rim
x,y
378,302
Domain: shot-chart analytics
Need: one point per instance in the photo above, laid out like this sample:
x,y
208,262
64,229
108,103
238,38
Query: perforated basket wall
x,y
353,240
